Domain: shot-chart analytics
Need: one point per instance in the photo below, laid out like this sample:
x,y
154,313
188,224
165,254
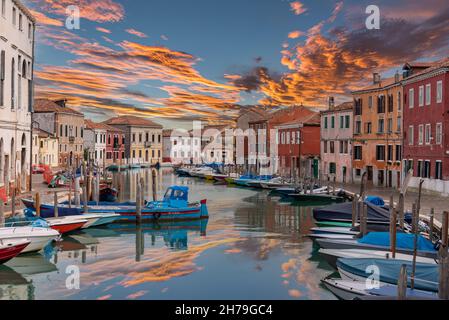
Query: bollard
x,y
402,283
138,204
2,213
55,204
37,204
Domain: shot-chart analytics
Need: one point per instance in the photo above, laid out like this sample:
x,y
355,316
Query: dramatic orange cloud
x,y
297,7
136,33
94,10
295,34
104,30
42,19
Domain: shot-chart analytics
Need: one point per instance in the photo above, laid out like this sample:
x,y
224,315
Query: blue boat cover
x,y
392,291
426,276
378,201
403,241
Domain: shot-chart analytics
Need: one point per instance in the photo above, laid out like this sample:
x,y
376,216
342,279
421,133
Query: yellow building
x,y
45,148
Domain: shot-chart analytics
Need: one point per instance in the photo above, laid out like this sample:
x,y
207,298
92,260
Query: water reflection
x,y
250,238
13,286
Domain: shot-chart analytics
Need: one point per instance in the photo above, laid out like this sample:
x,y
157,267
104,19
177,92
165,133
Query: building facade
x,y
67,125
426,126
45,148
299,147
336,141
95,142
377,148
115,145
143,139
16,96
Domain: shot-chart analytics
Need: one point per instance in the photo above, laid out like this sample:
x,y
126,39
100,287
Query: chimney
x,y
396,77
61,103
331,102
376,78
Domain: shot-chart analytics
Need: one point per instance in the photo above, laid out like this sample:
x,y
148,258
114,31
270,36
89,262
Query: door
x,y
369,171
315,168
344,174
390,179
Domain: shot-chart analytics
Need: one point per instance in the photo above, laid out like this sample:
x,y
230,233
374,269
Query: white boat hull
x,y
39,237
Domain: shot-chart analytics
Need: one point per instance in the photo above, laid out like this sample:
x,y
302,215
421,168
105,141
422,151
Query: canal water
x,y
252,247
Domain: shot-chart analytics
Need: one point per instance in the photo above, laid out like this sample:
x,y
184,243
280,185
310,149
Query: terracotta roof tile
x,y
46,106
132,121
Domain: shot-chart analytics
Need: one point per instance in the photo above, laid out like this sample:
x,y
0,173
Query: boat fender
x,y
156,215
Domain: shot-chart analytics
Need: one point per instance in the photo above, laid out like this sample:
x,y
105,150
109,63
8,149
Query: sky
x,y
177,61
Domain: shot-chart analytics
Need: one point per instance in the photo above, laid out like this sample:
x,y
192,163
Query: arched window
x,y
61,129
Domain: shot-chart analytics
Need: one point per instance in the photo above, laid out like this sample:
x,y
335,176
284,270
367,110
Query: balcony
x,y
71,140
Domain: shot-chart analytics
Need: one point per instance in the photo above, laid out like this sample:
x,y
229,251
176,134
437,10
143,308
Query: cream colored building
x,y
45,148
16,95
143,139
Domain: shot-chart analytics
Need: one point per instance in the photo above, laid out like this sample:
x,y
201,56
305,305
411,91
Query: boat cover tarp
x,y
392,291
377,201
403,241
343,211
426,276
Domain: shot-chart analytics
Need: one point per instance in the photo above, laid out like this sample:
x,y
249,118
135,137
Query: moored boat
x,y
65,225
39,237
9,249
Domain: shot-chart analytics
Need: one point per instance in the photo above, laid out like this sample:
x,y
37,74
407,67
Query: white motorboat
x,y
335,230
332,255
39,237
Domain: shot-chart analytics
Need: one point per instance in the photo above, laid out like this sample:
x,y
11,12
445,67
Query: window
x,y
357,152
358,107
419,170
390,103
381,104
411,98
428,133
426,169
358,127
399,124
380,153
342,147
421,96
390,153
134,137
3,7
428,96
152,138
14,13
439,91
332,122
20,22
30,30
332,168
298,137
390,125
325,146
439,170
358,172
346,147
325,123
439,133
2,78
399,101
368,127
332,147
347,122
370,102
380,127
420,134
410,136
13,81
398,152
342,122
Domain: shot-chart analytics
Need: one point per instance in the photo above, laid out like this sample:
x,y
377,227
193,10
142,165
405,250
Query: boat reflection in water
x,y
174,234
14,286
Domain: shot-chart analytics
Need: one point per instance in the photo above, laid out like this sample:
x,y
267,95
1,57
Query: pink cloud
x,y
297,7
136,33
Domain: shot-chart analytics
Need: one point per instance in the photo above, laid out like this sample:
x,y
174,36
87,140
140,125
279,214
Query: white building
x,y
16,95
95,141
181,146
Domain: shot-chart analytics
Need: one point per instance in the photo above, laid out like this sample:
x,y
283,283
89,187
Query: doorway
x,y
344,174
369,170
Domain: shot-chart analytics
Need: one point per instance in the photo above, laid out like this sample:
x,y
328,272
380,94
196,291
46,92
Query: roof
x,y
48,106
132,121
349,105
97,125
442,64
417,65
42,133
25,10
384,83
311,120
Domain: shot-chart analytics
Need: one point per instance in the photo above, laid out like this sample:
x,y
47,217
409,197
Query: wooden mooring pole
x,y
77,192
443,265
355,203
138,204
401,209
154,177
13,203
444,229
55,204
431,223
402,283
393,227
37,204
364,218
415,244
2,213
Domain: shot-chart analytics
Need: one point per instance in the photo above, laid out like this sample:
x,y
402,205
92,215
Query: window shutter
x,y
2,66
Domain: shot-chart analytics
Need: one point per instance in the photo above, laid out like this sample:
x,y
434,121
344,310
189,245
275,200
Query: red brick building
x,y
299,146
426,125
115,145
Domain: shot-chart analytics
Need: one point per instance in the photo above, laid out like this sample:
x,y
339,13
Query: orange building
x,y
377,146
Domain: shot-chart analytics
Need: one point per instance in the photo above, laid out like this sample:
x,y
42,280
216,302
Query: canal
x,y
252,247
